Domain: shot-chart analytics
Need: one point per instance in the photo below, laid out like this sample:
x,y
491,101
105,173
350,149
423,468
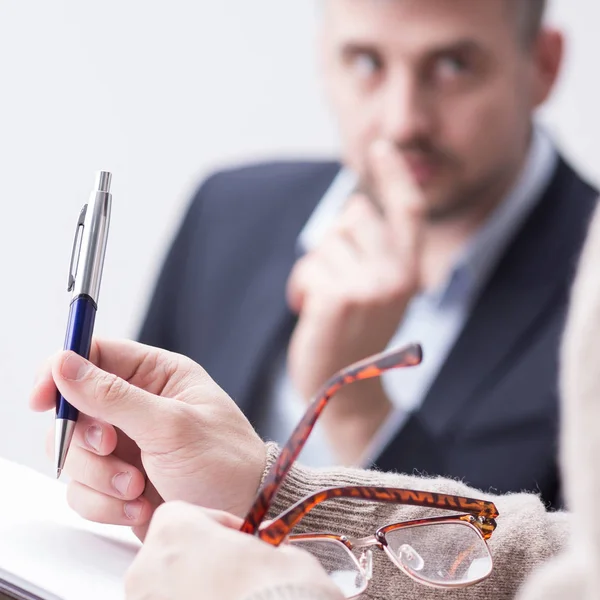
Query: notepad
x,y
44,542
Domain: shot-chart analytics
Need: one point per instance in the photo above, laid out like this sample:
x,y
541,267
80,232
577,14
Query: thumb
x,y
223,518
106,397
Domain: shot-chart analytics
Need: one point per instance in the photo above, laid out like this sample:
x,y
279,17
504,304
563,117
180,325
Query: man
x,y
280,274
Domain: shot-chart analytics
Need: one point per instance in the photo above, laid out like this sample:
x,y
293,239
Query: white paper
x,y
46,543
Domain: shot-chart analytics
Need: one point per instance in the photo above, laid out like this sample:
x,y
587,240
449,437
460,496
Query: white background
x,y
160,94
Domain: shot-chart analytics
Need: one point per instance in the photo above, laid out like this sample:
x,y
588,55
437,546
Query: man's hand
x,y
192,553
351,294
154,427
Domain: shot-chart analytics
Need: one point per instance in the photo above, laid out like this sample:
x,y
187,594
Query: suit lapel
x,y
536,268
267,324
263,324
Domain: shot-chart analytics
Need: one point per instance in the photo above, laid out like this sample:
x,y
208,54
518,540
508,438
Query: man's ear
x,y
548,51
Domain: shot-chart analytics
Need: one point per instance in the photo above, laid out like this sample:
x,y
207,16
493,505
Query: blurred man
x,y
283,273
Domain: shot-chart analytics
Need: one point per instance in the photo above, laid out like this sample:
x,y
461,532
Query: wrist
x,y
249,479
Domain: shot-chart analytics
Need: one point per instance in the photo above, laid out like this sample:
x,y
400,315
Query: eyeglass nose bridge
x,y
366,557
365,542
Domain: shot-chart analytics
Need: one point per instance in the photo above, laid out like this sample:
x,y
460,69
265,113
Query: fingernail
x,y
133,510
121,483
74,367
93,437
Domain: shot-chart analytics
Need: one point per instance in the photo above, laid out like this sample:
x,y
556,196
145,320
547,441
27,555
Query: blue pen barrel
x,y
82,315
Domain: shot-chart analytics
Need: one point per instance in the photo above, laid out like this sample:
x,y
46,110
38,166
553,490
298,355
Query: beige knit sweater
x,y
575,574
527,535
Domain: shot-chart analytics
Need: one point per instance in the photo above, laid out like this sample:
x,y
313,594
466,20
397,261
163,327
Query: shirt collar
x,y
482,251
327,211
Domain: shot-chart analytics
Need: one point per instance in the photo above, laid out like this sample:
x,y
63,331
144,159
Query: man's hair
x,y
531,16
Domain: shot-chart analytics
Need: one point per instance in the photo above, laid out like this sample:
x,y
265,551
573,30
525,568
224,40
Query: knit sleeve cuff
x,y
295,592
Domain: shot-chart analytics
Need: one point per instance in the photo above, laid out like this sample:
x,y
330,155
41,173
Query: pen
x,y
85,274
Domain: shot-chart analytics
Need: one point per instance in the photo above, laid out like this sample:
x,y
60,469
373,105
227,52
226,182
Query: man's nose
x,y
406,111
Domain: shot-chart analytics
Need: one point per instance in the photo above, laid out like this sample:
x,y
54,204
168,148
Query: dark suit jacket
x,y
491,415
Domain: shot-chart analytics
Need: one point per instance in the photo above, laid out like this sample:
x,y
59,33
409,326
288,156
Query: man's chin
x,y
442,200
446,209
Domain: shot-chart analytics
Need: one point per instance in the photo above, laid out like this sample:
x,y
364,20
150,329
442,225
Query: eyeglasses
x,y
444,552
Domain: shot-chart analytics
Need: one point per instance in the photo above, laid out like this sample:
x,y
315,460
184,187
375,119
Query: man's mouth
x,y
422,169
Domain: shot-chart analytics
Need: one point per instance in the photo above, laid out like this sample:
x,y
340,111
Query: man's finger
x,y
313,272
152,369
399,194
43,394
96,506
180,512
365,227
107,397
403,204
223,518
90,434
299,282
295,290
143,366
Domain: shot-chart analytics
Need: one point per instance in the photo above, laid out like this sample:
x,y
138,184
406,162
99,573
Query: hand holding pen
x,y
85,274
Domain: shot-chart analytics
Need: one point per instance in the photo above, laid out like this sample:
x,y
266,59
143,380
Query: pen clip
x,y
76,249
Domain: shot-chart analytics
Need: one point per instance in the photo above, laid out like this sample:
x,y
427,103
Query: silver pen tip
x,y
62,441
103,179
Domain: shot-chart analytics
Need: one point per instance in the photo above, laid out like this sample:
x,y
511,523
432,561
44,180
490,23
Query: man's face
x,y
449,82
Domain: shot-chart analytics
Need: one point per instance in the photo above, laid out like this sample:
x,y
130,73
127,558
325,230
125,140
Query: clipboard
x,y
15,588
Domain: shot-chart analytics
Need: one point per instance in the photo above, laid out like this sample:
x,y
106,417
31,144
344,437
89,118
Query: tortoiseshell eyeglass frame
x,y
374,366
479,513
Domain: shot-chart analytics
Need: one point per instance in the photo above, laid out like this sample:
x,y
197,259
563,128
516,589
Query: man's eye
x,y
450,66
366,65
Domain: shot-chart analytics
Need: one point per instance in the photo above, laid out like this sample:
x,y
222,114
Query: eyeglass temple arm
x,y
277,531
374,366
